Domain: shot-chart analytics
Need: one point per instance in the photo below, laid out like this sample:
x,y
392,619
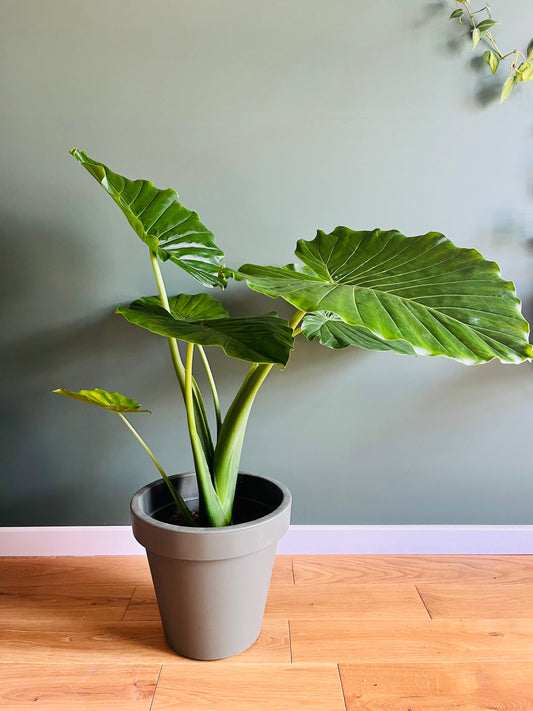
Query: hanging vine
x,y
481,23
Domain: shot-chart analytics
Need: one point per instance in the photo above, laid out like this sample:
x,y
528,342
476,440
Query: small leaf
x,y
457,14
475,38
492,59
101,398
485,25
525,71
530,50
508,87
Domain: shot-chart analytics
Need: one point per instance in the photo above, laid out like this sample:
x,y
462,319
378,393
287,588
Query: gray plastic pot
x,y
212,583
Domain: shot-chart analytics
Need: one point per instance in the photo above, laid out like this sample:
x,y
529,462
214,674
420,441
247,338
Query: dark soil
x,y
243,512
176,518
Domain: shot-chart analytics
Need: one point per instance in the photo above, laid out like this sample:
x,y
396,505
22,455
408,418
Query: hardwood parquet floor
x,y
378,633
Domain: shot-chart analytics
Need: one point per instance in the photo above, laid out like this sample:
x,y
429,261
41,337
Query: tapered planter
x,y
212,583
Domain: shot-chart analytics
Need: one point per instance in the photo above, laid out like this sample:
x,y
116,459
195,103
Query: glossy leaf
x,y
260,339
440,299
456,14
189,307
492,59
101,398
333,332
170,230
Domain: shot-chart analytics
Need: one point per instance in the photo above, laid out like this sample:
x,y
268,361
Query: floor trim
x,y
406,539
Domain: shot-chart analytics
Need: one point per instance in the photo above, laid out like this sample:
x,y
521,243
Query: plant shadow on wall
x,y
499,70
30,287
46,493
34,354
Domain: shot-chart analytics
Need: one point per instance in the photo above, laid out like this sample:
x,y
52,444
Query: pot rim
x,y
208,530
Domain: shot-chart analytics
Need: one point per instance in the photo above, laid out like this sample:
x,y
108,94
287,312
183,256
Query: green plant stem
x,y
493,43
295,320
230,441
212,385
229,446
199,407
180,503
208,496
488,35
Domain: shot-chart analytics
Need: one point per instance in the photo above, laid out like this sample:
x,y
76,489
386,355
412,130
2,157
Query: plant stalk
x,y
180,503
199,407
229,446
212,385
208,496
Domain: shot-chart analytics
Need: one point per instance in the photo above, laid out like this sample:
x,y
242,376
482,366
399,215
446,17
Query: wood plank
x,y
46,642
384,569
478,601
99,570
394,641
315,602
282,572
500,686
240,688
143,605
63,603
358,602
68,570
91,688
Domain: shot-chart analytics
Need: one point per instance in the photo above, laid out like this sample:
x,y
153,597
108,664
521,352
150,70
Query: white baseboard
x,y
416,539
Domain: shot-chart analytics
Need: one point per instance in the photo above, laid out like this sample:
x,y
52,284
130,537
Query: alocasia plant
x,y
377,290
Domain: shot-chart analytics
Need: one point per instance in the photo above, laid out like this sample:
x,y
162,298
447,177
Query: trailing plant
x,y
520,64
377,290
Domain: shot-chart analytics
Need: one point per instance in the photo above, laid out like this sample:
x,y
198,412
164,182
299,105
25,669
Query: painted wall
x,y
271,120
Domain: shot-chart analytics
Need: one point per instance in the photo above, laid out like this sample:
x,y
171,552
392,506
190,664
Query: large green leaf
x,y
189,307
440,299
101,398
333,332
259,339
158,218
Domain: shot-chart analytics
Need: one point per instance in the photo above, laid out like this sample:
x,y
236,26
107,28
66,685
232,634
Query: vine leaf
x,y
484,26
525,71
492,59
508,86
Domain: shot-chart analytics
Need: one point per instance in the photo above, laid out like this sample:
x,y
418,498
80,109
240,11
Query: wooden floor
x,y
380,633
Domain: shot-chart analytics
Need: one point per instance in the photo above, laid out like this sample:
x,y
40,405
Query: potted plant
x,y
211,535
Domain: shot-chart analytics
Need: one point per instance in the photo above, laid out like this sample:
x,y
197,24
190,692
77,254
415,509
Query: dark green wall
x,y
271,120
